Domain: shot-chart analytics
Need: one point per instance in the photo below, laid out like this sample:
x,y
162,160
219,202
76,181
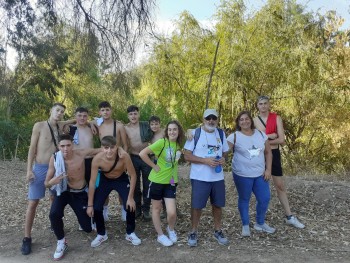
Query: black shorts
x,y
88,162
276,163
160,191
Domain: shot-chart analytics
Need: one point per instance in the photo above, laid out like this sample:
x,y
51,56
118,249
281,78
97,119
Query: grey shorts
x,y
202,190
37,188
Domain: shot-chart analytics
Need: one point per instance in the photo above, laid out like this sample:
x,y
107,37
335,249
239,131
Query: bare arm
x,y
268,161
51,179
144,156
32,151
89,151
132,174
189,157
122,136
92,183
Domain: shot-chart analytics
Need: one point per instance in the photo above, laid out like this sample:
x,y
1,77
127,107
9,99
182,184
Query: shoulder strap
x,y
52,134
197,134
261,134
221,134
114,129
263,123
162,148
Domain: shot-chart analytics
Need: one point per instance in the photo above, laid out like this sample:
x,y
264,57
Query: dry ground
x,y
321,203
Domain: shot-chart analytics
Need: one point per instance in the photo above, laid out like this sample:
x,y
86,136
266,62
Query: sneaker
x,y
293,221
165,241
222,240
133,239
264,228
26,246
192,239
146,216
172,235
99,240
80,228
123,214
245,231
105,213
60,250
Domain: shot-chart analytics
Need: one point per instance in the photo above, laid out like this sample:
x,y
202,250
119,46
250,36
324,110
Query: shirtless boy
x,y
154,124
112,162
76,193
107,126
272,125
43,144
139,135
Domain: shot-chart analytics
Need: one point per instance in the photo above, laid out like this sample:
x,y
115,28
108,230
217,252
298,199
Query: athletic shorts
x,y
36,189
276,163
160,191
88,162
202,190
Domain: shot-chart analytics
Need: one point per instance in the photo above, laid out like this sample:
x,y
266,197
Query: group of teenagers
x,y
139,160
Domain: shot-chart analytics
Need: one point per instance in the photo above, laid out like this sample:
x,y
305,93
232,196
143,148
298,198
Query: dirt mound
x,y
322,205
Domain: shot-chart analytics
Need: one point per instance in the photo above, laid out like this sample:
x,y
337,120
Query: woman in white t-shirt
x,y
251,169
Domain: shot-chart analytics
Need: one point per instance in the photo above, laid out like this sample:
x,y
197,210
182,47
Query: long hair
x,y
252,126
181,136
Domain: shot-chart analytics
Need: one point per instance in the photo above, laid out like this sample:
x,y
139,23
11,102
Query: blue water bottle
x,y
218,168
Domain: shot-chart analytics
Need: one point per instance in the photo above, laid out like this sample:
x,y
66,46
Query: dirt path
x,y
323,205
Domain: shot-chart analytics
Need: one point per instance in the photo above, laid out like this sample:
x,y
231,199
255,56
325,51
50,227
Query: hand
x,y
189,135
156,168
267,175
93,129
212,162
273,136
66,129
30,177
90,211
130,203
57,179
221,161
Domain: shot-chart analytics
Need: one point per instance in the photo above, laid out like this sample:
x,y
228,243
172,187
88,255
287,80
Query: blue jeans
x,y
261,189
142,169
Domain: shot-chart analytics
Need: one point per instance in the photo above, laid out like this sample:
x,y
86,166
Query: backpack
x,y
197,134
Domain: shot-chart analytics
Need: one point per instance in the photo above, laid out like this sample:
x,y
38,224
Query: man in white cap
x,y
206,152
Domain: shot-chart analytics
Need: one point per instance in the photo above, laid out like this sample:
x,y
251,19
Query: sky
x,y
203,10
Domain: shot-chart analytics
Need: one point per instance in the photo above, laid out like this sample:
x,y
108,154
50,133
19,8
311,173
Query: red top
x,y
271,123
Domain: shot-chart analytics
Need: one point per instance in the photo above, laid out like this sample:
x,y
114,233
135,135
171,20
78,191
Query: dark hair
x,y
181,137
252,126
262,97
132,108
58,104
81,109
63,137
154,118
104,104
108,141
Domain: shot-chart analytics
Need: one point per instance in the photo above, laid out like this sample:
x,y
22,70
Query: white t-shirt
x,y
249,157
208,145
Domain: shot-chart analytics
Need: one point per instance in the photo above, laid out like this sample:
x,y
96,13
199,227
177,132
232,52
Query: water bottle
x,y
218,168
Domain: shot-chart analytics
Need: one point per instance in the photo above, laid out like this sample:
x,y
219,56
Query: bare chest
x,y
106,129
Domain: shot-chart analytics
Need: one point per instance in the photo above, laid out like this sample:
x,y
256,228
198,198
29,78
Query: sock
x,y
289,217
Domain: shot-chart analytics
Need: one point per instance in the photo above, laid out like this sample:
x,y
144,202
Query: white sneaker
x,y
172,235
123,217
61,249
98,240
105,213
264,228
165,241
245,231
133,239
80,228
293,221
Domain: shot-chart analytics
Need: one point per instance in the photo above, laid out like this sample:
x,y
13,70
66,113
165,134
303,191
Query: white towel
x,y
99,121
76,137
60,169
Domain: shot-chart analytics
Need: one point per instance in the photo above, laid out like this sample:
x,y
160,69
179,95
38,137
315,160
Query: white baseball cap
x,y
208,112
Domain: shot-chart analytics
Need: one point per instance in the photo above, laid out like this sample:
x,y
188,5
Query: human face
x,y
263,105
173,132
109,151
155,126
210,122
81,118
105,113
245,122
57,113
134,117
66,147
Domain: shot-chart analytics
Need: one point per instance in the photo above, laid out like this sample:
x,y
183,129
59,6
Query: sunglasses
x,y
211,117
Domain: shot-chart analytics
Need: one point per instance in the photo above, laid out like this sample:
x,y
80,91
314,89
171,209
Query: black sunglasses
x,y
211,117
